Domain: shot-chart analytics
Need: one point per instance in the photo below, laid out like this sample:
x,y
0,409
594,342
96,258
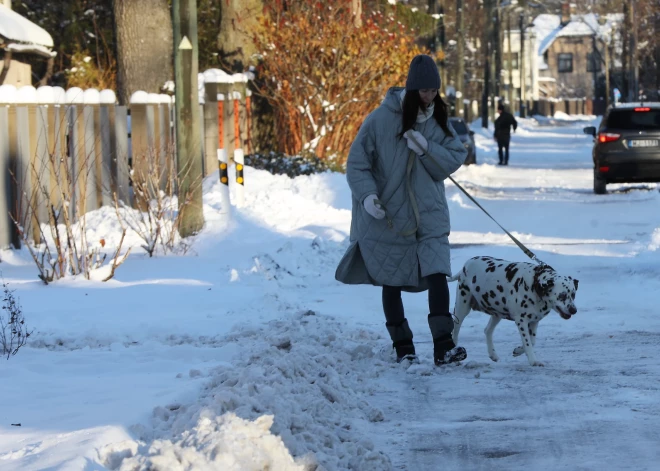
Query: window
x,y
514,61
631,120
593,62
565,62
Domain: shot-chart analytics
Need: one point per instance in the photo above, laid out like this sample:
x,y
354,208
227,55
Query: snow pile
x,y
305,377
226,442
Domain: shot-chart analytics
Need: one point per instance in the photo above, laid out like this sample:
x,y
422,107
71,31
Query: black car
x,y
627,145
465,134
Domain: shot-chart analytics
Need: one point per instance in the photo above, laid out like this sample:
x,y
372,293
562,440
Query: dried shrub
x,y
322,75
13,330
158,216
55,193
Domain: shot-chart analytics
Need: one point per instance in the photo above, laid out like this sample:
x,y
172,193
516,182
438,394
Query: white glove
x,y
374,209
415,146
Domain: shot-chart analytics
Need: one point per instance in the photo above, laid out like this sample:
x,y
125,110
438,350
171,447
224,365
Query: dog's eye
x,y
562,297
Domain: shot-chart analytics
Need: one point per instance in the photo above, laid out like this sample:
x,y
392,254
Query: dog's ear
x,y
575,282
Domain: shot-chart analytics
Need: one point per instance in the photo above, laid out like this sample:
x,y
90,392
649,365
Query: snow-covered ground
x,y
248,355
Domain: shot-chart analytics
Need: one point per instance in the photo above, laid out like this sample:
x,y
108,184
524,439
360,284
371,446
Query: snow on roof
x,y
16,28
546,27
576,28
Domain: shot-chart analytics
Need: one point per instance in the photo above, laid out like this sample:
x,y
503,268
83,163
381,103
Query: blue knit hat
x,y
423,73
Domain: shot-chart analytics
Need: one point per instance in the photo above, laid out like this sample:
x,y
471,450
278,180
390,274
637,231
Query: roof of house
x,y
548,27
18,29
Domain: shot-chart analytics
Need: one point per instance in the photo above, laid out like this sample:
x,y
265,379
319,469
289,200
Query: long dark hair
x,y
412,103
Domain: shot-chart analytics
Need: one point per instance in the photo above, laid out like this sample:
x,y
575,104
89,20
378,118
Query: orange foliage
x,y
322,75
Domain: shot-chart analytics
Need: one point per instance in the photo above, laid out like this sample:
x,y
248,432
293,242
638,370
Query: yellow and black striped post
x,y
224,180
239,161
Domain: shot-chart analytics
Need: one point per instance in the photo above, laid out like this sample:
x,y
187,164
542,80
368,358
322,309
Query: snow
x,y
31,49
26,95
108,97
17,28
246,354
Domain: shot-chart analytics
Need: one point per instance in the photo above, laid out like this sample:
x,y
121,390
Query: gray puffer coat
x,y
412,241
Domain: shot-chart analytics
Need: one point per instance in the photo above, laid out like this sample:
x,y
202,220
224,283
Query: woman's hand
x,y
374,209
416,142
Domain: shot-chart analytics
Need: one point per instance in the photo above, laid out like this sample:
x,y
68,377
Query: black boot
x,y
402,341
444,349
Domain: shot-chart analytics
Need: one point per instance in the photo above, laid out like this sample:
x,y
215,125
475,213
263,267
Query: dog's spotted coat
x,y
521,292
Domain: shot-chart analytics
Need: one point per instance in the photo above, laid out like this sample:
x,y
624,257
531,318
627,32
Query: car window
x,y
634,120
459,126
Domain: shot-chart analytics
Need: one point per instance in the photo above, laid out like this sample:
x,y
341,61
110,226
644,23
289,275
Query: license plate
x,y
643,143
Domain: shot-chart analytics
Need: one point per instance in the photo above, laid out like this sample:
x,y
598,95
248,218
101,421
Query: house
x,y
21,41
564,54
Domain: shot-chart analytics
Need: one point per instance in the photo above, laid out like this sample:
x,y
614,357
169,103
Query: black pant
x,y
503,144
438,299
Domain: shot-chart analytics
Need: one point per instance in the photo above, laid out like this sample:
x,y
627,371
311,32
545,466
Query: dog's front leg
x,y
525,330
492,323
532,332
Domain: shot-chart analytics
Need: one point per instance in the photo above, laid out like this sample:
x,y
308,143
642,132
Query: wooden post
x,y
239,160
210,127
121,169
188,118
6,224
141,145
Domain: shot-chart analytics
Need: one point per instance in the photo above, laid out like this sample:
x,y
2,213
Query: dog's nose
x,y
572,310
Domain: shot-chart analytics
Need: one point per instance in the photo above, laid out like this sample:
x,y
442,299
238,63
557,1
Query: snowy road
x,y
249,354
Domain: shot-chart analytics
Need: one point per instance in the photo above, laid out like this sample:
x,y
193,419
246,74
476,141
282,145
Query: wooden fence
x,y
101,144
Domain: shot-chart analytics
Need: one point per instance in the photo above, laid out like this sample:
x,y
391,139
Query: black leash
x,y
522,247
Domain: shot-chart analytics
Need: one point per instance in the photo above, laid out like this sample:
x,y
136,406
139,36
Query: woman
x,y
396,167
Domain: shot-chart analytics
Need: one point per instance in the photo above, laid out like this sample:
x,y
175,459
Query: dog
x,y
521,292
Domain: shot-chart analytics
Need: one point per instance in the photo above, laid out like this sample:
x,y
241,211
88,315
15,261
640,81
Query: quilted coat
x,y
412,241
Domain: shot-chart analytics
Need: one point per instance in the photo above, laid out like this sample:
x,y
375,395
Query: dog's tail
x,y
453,278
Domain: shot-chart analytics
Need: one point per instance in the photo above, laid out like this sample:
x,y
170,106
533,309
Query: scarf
x,y
422,115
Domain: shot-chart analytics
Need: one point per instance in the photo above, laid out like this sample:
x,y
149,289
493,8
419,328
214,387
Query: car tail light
x,y
608,137
643,109
603,169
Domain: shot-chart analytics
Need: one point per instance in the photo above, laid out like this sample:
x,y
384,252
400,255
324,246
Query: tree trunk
x,y
144,46
238,19
460,53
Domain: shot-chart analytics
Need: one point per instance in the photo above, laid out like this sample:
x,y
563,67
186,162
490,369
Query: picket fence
x,y
102,144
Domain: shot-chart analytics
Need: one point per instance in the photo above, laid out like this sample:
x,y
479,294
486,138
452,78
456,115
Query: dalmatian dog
x,y
520,292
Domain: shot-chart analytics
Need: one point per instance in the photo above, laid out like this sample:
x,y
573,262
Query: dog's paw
x,y
537,363
518,351
493,356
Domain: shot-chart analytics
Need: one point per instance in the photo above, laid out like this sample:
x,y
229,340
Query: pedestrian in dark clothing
x,y
502,135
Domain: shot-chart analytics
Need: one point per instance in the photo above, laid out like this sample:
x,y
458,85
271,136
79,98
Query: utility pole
x,y
606,48
509,60
625,59
484,96
460,51
441,34
188,117
488,37
498,53
521,63
634,56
